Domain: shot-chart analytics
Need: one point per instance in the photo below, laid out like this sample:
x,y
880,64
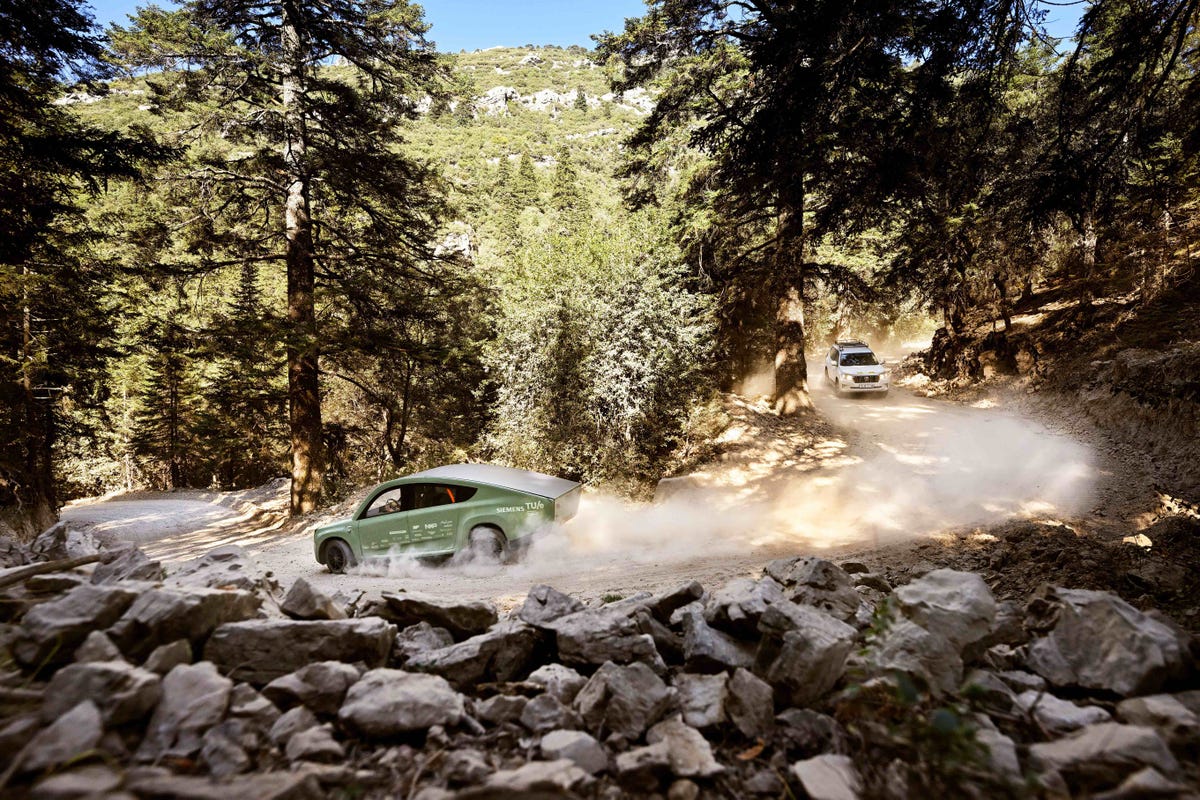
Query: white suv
x,y
852,368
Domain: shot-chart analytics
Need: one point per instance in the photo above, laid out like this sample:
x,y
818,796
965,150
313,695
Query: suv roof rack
x,y
851,343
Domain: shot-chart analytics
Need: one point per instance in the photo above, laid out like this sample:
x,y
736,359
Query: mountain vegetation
x,y
250,239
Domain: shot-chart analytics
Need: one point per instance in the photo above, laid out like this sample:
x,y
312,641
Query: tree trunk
x,y
304,399
791,369
39,497
1087,260
1002,290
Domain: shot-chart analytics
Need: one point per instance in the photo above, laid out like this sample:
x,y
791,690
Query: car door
x,y
831,363
432,524
383,526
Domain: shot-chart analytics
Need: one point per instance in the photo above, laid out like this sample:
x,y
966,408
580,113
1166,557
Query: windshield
x,y
858,360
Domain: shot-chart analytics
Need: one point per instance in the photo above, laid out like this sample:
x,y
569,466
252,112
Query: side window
x,y
389,502
429,495
833,354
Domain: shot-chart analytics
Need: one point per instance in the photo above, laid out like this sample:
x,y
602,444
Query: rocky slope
x,y
815,680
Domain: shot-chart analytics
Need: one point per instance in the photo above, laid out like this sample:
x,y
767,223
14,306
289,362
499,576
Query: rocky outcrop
x,y
261,650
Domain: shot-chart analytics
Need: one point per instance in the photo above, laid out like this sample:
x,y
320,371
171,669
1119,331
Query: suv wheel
x,y
338,556
487,545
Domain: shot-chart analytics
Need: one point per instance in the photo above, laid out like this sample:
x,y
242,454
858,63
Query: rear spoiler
x,y
567,503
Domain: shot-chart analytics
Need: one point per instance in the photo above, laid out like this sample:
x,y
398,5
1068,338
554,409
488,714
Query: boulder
x,y
51,631
545,713
159,616
321,687
160,785
419,638
73,734
828,777
225,567
1059,716
644,768
315,744
130,564
1165,713
706,649
926,657
580,748
467,766
166,657
1096,640
97,647
504,653
702,699
814,581
1102,755
546,604
958,605
462,619
245,703
122,692
261,650
737,606
535,779
804,650
751,704
559,681
610,633
61,541
225,748
1001,754
662,606
1146,783
501,708
387,702
291,723
689,753
808,731
195,697
624,699
305,601
90,780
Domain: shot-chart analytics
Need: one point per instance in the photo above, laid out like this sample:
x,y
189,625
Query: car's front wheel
x,y
338,556
487,545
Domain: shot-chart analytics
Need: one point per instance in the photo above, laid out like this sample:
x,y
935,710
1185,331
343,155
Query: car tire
x,y
487,545
338,556
886,392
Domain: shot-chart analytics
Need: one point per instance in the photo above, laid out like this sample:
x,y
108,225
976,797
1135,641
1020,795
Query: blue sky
x,y
472,24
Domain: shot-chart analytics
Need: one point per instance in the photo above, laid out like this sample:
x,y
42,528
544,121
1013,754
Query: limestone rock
x,y
159,616
71,735
804,650
536,779
546,604
609,633
1060,716
1102,755
828,777
689,753
501,708
61,541
195,697
321,687
247,704
702,699
958,605
90,780
927,657
166,657
624,699
226,747
559,681
315,744
228,566
737,606
1164,712
1098,641
305,601
291,723
643,768
751,704
260,786
386,702
814,581
261,650
580,748
122,693
97,647
545,713
462,619
131,564
1146,783
1001,753
662,606
51,631
707,649
419,638
504,653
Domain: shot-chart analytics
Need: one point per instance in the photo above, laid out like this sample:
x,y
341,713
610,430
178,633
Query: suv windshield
x,y
858,360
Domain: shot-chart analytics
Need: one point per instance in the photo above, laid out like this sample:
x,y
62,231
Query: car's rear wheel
x,y
487,545
338,556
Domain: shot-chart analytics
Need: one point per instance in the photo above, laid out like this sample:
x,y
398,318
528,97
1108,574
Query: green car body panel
x,y
432,513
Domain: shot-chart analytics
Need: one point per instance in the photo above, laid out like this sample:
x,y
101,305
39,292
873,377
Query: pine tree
x,y
566,196
581,103
164,422
525,186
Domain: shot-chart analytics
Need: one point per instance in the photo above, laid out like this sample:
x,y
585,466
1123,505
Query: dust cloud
x,y
899,467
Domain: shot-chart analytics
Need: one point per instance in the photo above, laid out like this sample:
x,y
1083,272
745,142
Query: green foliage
x,y
598,356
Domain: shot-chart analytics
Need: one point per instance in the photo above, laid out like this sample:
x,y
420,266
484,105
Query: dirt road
x,y
890,470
